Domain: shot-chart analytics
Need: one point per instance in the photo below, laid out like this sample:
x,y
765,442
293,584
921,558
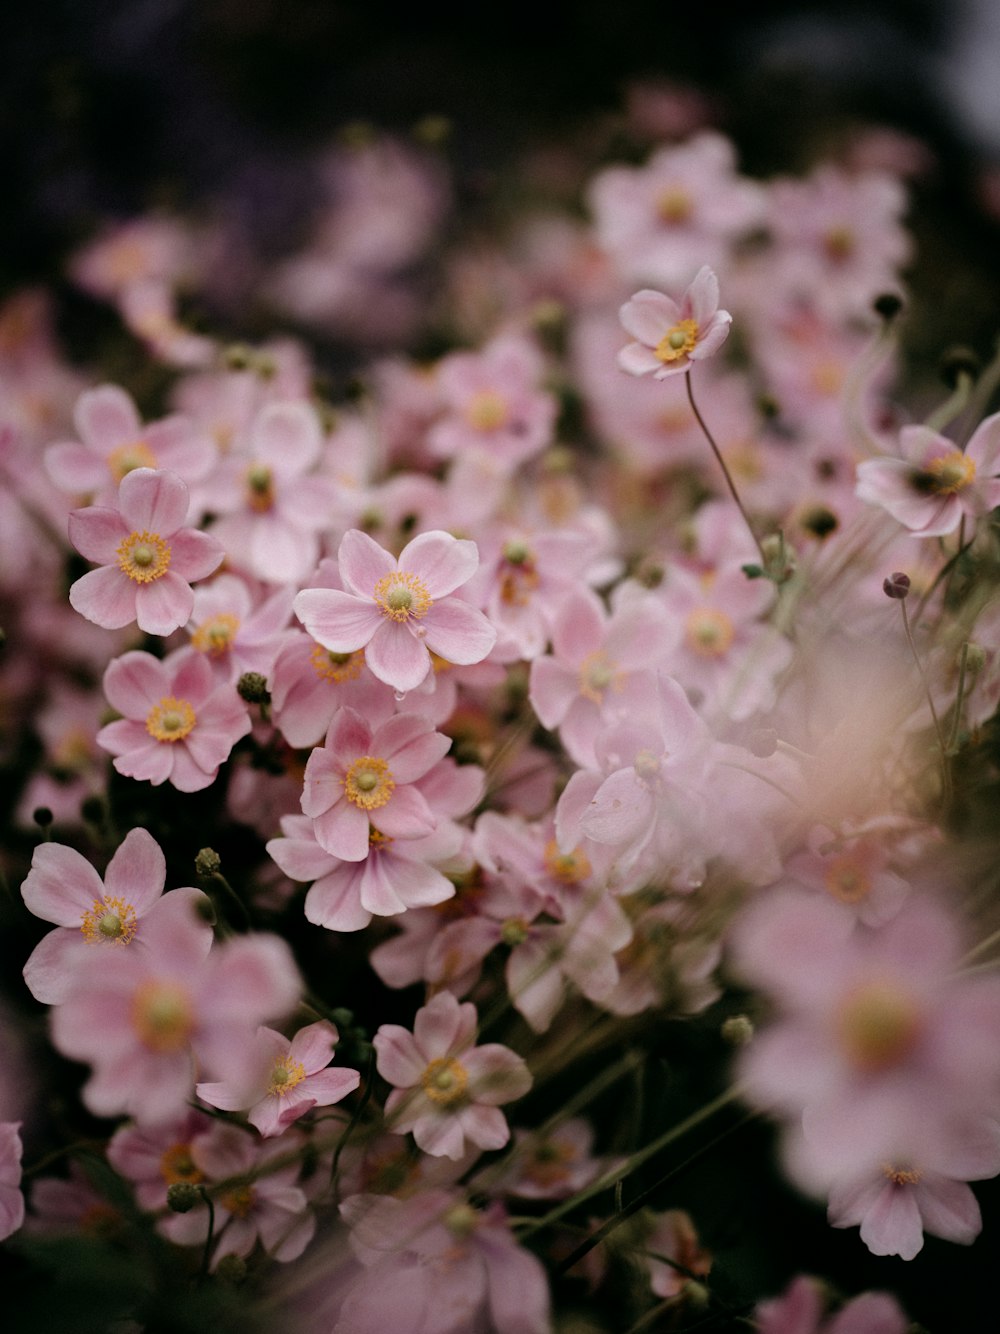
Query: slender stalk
x,y
725,471
207,1253
959,697
953,406
945,768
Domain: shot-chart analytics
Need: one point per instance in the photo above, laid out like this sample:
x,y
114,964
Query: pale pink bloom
x,y
236,632
935,484
146,555
11,1199
492,403
127,252
670,962
154,1158
149,310
125,910
447,1090
73,1206
670,335
674,1237
800,1311
276,1081
273,504
434,1264
146,1025
363,776
267,1207
114,441
178,725
896,1202
854,869
600,665
551,1165
400,612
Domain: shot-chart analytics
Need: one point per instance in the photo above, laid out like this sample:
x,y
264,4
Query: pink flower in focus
x,y
11,1199
671,336
233,633
800,1311
935,484
279,1081
146,557
400,612
178,725
126,909
447,1090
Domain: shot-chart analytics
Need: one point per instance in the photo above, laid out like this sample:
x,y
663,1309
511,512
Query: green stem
x,y
725,471
207,1253
945,767
953,405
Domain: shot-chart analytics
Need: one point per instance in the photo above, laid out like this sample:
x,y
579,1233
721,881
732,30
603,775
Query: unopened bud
x,y
207,863
763,743
779,558
975,658
896,586
238,357
696,1294
768,406
737,1030
888,305
42,816
231,1269
182,1196
253,688
342,1017
959,361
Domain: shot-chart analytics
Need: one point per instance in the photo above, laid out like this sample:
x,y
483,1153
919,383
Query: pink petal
x,y
97,533
362,563
343,831
48,973
443,1025
409,746
137,872
439,1136
61,885
163,605
324,782
415,884
441,562
892,1226
313,1046
194,554
106,417
397,657
458,632
339,621
702,297
106,597
484,1126
300,858
333,901
648,316
621,811
496,1074
280,552
377,889
286,436
75,468
329,1086
405,815
152,500
638,360
349,735
949,1210
397,1058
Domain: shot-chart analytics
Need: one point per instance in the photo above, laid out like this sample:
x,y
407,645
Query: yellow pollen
x,y
461,1220
569,868
677,342
487,410
708,632
369,783
878,1025
143,557
215,636
126,458
73,751
846,879
260,490
402,596
112,920
948,474
597,673
647,766
901,1176
446,1082
337,667
376,839
549,1165
674,205
839,243
514,931
171,720
827,378
285,1075
162,1016
176,1164
239,1202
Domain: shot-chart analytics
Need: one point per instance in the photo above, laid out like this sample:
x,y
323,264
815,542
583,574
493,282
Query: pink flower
x,y
800,1311
674,1236
279,1081
400,612
935,483
447,1090
671,336
154,1158
178,725
127,909
235,635
11,1199
146,557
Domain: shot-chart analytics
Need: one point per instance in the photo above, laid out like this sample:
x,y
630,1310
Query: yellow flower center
x,y
402,596
948,474
514,931
126,458
240,1201
647,766
162,1016
171,720
376,839
369,783
518,577
569,868
215,636
260,488
73,751
846,879
176,1164
878,1025
839,243
285,1075
597,673
549,1164
445,1081
677,342
330,666
828,378
461,1220
674,205
487,410
111,919
709,633
143,557
901,1176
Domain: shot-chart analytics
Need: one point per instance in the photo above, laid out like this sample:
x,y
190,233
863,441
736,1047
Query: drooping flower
x,y
670,335
400,612
146,556
800,1311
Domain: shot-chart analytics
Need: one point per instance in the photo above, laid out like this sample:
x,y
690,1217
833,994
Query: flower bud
x,y
182,1197
888,305
253,688
959,361
231,1269
42,816
975,658
207,863
737,1030
896,586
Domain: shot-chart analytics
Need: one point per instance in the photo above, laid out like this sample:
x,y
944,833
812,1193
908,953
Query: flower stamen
x,y
402,596
112,920
445,1081
171,720
369,783
143,556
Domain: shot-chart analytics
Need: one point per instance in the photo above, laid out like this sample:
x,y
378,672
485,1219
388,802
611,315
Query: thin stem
x,y
959,697
945,768
356,1117
725,471
944,571
953,405
207,1253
